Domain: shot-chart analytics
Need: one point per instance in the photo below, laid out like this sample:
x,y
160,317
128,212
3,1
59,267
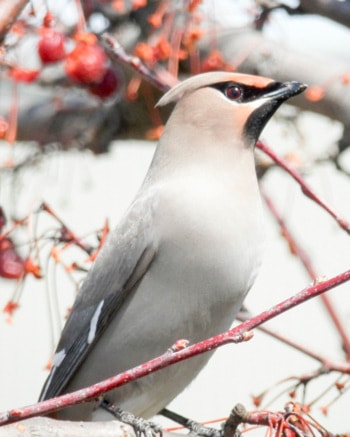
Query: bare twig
x,y
117,53
10,9
307,190
66,232
326,363
300,253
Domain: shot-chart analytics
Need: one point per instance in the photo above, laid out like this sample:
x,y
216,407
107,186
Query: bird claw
x,y
197,429
141,427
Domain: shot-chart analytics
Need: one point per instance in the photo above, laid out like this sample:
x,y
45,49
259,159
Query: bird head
x,y
219,103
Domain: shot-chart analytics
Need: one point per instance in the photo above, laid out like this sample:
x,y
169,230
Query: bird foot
x,y
197,429
141,427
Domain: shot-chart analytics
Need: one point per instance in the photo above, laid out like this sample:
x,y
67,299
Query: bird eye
x,y
233,92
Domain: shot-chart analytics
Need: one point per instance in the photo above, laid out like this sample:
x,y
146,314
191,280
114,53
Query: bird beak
x,y
283,91
273,96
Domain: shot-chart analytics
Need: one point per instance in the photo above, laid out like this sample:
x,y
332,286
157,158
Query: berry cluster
x,y
84,60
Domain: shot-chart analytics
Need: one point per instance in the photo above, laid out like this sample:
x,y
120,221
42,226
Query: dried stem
x,y
235,335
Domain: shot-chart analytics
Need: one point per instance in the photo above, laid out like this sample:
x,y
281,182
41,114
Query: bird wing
x,y
123,261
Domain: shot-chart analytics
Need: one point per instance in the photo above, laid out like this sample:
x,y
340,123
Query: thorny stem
x,y
235,335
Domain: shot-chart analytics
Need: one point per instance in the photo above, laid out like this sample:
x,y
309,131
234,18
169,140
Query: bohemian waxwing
x,y
184,255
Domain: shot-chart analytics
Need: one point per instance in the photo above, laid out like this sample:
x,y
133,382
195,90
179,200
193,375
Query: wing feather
x,y
123,261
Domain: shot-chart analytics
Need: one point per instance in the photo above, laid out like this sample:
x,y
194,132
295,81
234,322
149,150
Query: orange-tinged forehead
x,y
248,79
212,78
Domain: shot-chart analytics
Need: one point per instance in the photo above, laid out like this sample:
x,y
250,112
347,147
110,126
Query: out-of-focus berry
x,y
51,46
108,85
11,263
23,75
86,64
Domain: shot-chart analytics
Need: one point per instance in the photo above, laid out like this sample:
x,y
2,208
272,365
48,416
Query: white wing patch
x,y
93,322
58,358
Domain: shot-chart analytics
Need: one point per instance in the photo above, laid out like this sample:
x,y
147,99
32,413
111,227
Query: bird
x,y
184,255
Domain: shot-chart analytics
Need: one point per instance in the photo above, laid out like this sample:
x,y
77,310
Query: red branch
x,y
294,247
117,53
325,362
307,190
235,335
68,234
292,421
296,250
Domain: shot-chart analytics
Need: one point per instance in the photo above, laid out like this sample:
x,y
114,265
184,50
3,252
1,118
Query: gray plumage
x,y
184,256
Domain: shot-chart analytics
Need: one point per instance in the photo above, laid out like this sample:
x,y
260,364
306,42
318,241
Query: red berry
x,y
86,64
51,46
48,19
11,264
33,268
10,308
23,75
108,85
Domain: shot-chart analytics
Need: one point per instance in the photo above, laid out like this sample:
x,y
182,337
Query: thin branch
x,y
338,324
68,234
117,53
10,9
325,362
300,253
294,246
292,419
175,355
307,190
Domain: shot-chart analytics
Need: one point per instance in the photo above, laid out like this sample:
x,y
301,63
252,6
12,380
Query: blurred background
x,y
78,127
